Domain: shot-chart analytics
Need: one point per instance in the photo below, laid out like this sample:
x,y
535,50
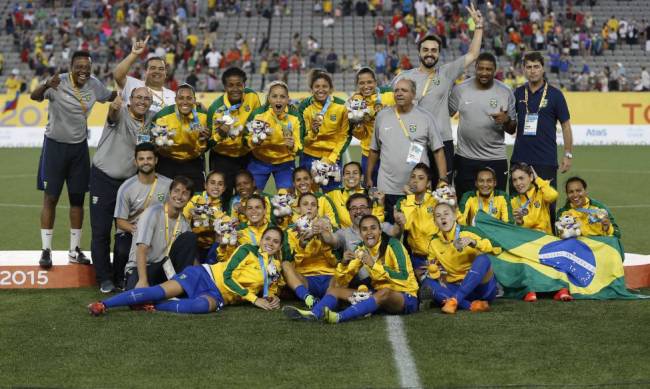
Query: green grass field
x,y
48,340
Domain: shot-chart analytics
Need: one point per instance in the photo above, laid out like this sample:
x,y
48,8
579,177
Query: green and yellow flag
x,y
591,267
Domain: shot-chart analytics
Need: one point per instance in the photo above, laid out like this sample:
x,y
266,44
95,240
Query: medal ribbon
x,y
427,84
252,237
540,102
265,275
591,214
327,104
170,239
524,206
77,95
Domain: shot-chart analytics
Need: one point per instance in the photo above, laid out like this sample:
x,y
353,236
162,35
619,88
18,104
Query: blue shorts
x,y
307,160
282,173
419,261
63,163
411,304
196,282
317,285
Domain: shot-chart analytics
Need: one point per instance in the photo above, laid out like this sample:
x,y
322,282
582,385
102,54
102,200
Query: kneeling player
x,y
210,287
469,282
391,278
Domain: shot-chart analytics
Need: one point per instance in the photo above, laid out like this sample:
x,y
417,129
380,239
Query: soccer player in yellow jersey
x,y
414,215
227,118
391,278
304,183
251,274
487,198
376,99
468,280
352,184
327,131
277,153
594,217
201,222
308,262
249,232
531,206
188,122
244,189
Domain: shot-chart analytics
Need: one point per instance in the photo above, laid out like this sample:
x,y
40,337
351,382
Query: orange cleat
x,y
479,306
451,305
530,297
97,309
563,295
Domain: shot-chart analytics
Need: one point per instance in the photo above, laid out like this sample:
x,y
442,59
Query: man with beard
x,y
154,77
65,157
112,164
487,111
146,188
434,82
229,112
403,133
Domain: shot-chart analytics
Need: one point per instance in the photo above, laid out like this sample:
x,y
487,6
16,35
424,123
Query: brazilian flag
x,y
590,267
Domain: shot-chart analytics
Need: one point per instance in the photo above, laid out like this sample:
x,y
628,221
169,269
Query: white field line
x,y
621,171
9,176
404,362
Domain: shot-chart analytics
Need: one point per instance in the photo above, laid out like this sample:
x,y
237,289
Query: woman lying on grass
x,y
249,271
391,278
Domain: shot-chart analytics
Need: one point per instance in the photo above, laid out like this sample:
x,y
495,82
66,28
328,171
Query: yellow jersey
x,y
339,197
497,205
590,225
273,150
443,255
246,234
187,145
333,136
315,259
420,224
325,209
393,270
231,146
363,131
242,277
535,204
205,235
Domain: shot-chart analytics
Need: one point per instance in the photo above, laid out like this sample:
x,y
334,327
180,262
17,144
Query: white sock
x,y
46,239
75,239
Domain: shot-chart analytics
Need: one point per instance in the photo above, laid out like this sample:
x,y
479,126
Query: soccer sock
x,y
359,310
195,305
136,296
328,301
442,293
75,238
46,238
474,276
301,292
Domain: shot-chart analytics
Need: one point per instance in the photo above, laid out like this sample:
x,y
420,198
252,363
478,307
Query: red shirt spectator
x,y
392,37
284,62
405,63
380,30
294,63
527,29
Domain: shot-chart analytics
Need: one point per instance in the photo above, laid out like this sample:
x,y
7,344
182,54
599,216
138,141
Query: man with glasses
x,y
112,164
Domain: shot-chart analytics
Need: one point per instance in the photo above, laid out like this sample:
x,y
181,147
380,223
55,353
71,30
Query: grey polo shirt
x,y
478,136
151,232
393,146
436,98
67,116
132,195
115,150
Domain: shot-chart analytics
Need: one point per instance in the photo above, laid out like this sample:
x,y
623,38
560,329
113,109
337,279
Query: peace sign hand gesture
x,y
138,47
475,14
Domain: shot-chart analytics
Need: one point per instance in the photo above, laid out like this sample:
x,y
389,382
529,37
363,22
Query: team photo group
x,y
180,220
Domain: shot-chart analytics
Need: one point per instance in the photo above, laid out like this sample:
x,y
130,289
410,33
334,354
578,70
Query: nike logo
x,y
468,102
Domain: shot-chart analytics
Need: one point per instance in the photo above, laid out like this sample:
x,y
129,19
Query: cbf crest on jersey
x,y
333,117
161,197
413,128
493,103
